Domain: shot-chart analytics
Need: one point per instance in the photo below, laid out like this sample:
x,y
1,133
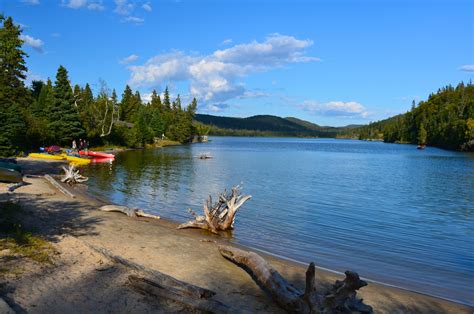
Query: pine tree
x,y
14,96
128,105
166,99
65,124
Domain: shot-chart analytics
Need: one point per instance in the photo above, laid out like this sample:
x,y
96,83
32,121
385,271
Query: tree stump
x,y
218,216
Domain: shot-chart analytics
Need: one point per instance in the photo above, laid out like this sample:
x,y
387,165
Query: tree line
x,y
56,112
445,120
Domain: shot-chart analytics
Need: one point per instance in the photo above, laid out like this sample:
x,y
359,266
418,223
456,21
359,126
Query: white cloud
x,y
134,19
96,6
75,4
32,2
34,43
226,42
214,108
147,7
467,68
335,108
129,59
78,4
122,7
214,78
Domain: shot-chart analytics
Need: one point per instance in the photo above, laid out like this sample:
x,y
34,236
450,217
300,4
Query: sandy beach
x,y
80,280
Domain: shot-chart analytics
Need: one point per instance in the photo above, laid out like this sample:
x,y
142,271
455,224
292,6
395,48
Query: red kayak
x,y
95,154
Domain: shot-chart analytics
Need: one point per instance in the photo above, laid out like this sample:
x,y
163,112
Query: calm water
x,y
391,212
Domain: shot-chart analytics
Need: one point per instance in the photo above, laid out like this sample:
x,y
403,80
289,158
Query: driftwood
x,y
161,285
156,289
219,216
58,186
72,176
340,299
130,212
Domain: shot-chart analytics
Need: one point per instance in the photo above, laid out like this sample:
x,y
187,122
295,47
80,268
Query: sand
x,y
81,280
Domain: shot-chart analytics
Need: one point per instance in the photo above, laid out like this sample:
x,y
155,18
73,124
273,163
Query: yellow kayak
x,y
77,160
46,156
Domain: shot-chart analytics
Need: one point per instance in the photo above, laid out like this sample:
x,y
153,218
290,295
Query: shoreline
x,y
168,241
175,223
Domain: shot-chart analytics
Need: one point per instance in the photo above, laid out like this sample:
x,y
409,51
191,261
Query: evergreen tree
x,y
65,124
129,105
14,96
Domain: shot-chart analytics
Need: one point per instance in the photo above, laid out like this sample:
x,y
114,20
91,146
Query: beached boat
x,y
76,160
95,154
10,175
10,165
46,156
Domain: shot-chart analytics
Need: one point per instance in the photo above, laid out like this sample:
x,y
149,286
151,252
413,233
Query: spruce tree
x,y
14,96
65,124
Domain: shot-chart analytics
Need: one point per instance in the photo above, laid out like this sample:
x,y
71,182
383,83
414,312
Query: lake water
x,y
391,212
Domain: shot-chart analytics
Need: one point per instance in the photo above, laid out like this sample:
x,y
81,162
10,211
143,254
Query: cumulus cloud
x,y
335,108
122,7
34,43
78,4
129,59
214,78
467,68
147,7
214,108
134,19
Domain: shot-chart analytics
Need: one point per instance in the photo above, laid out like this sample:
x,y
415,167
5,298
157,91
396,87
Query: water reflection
x,y
390,211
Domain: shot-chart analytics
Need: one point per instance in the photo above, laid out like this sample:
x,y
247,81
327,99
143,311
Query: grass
x,y
162,143
18,241
108,147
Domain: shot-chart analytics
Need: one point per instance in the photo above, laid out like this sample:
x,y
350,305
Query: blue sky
x,y
329,62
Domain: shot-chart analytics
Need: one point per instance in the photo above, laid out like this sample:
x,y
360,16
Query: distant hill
x,y
264,125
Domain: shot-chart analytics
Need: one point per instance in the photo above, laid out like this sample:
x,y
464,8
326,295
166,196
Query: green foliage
x,y
263,125
444,120
14,97
64,123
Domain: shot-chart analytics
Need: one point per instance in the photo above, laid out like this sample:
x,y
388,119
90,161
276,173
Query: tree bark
x,y
218,216
340,299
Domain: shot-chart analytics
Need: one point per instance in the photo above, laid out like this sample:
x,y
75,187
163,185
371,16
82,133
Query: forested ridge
x,y
445,119
48,113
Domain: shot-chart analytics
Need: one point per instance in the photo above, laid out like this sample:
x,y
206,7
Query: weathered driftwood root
x,y
341,299
131,212
219,216
161,285
72,176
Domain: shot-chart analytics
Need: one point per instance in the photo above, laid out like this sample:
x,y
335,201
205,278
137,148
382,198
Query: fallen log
x,y
58,186
161,285
218,216
340,299
130,212
156,289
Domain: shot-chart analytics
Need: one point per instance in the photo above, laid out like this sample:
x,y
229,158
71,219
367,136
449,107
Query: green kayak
x,y
10,175
10,165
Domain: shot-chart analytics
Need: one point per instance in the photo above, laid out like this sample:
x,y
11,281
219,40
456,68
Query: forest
x,y
445,119
48,113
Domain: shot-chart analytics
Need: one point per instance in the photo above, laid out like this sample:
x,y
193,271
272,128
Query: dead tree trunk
x,y
219,216
130,212
341,299
72,176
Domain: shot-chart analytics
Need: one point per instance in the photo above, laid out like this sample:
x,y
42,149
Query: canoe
x,y
10,165
76,160
95,154
10,175
46,156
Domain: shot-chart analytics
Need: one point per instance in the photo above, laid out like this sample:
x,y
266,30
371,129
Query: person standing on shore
x,y
74,145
